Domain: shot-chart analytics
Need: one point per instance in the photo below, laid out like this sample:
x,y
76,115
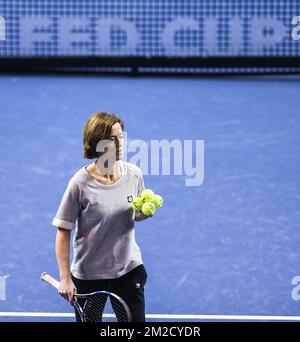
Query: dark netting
x,y
148,30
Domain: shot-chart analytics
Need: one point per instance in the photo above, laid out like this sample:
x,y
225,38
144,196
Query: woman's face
x,y
116,135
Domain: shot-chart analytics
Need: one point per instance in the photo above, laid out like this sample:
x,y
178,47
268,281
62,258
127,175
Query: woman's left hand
x,y
140,216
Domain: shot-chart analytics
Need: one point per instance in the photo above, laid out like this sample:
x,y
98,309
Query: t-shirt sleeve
x,y
141,185
68,210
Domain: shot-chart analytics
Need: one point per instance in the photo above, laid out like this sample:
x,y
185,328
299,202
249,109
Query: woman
x,y
98,197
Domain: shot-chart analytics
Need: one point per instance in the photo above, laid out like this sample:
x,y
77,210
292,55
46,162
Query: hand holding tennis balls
x,y
148,209
137,204
147,203
158,201
147,195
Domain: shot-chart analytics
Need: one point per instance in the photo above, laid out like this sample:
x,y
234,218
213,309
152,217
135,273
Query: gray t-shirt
x,y
104,241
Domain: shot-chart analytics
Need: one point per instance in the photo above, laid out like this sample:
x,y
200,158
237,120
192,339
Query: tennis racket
x,y
100,306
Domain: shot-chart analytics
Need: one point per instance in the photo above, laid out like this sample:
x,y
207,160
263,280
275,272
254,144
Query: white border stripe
x,y
35,314
227,317
161,316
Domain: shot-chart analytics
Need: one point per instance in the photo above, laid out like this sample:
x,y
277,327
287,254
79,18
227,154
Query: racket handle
x,y
50,280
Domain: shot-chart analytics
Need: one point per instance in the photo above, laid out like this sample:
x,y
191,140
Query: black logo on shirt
x,y
129,199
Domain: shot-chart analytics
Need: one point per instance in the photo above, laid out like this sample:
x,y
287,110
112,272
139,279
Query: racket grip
x,y
50,280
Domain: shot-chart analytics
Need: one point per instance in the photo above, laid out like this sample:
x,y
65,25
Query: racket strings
x,y
120,310
94,308
100,308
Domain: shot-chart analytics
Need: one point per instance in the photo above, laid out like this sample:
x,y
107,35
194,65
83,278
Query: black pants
x,y
130,287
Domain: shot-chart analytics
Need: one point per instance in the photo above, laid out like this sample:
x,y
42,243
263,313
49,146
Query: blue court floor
x,y
229,247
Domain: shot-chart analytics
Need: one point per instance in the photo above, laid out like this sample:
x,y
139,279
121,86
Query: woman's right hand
x,y
67,289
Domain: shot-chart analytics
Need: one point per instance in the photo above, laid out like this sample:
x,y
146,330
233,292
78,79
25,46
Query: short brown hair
x,y
97,128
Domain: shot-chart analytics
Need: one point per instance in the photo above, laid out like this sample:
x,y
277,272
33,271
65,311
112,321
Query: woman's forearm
x,y
62,249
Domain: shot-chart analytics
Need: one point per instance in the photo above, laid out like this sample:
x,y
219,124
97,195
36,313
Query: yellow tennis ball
x,y
148,209
158,201
137,203
147,195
